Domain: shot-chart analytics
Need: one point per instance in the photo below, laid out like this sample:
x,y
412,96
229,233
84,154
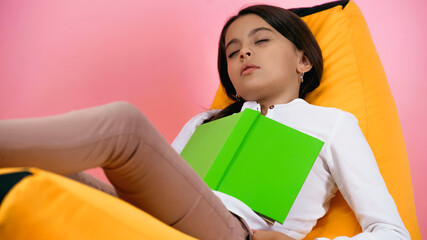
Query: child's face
x,y
275,64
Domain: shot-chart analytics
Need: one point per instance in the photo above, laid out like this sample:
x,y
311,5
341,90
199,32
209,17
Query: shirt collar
x,y
257,107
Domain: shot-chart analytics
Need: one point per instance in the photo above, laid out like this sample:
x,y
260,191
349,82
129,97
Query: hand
x,y
270,235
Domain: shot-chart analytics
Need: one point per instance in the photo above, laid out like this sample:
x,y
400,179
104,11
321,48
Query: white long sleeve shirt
x,y
345,163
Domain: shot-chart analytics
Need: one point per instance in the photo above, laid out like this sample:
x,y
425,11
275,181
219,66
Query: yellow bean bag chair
x,y
354,81
35,204
40,205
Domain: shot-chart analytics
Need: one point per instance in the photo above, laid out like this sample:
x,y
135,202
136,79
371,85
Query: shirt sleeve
x,y
187,131
357,176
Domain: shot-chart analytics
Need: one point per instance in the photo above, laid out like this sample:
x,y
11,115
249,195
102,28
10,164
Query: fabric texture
x,y
354,81
50,207
345,162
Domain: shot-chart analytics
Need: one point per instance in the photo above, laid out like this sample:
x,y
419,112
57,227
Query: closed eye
x,y
232,54
262,40
257,42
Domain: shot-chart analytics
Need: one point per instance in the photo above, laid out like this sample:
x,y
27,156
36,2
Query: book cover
x,y
255,159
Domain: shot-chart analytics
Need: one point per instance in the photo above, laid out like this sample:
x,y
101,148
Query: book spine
x,y
231,147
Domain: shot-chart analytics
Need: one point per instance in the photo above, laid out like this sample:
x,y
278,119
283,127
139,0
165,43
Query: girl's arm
x,y
357,176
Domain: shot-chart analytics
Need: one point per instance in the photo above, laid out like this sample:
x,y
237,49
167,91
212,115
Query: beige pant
x,y
142,166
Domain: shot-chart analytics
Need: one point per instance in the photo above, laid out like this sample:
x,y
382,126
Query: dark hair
x,y
291,27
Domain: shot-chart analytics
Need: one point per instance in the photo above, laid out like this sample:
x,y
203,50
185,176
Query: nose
x,y
245,54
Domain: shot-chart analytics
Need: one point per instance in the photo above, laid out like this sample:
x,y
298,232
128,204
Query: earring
x,y
302,77
238,97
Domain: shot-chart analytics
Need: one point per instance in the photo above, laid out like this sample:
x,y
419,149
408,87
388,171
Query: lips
x,y
248,68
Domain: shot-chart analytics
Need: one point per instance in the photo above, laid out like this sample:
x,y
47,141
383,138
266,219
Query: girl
x,y
268,61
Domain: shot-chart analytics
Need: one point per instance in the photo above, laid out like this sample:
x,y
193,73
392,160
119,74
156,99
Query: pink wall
x,y
56,56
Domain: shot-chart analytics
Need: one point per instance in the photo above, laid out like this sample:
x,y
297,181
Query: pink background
x,y
56,56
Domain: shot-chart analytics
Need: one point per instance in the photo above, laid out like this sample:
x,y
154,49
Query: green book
x,y
255,159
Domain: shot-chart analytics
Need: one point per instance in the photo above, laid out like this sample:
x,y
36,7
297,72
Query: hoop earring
x,y
238,97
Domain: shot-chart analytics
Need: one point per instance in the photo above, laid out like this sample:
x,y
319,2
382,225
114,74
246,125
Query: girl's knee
x,y
123,108
126,115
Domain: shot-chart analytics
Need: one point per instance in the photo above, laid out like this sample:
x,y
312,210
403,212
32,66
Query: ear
x,y
303,64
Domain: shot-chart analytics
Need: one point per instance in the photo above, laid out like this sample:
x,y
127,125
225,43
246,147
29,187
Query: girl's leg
x,y
144,169
87,179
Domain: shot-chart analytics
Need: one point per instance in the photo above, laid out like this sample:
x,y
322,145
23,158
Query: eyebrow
x,y
250,34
